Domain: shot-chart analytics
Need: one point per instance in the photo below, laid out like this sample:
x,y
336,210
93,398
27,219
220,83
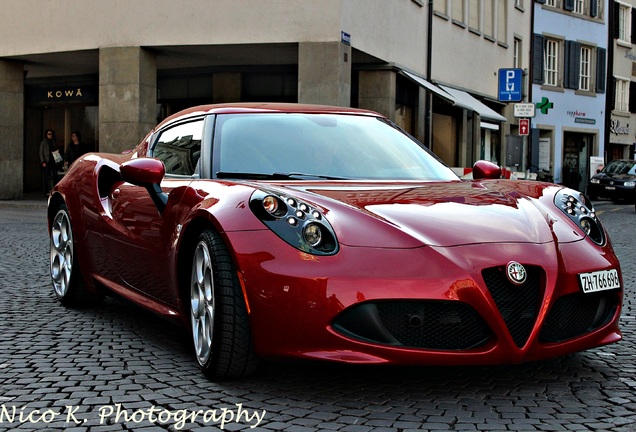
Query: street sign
x,y
526,110
524,126
510,85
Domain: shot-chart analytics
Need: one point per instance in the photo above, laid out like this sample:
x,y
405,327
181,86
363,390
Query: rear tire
x,y
68,284
218,313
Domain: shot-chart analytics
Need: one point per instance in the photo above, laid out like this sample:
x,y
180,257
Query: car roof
x,y
264,107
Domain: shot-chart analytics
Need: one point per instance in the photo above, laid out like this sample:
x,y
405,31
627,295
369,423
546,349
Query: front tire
x,y
68,284
218,313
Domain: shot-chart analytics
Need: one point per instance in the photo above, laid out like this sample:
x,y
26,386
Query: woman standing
x,y
75,149
47,160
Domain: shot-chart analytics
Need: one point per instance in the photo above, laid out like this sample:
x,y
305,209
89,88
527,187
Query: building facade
x,y
621,133
569,88
472,42
112,70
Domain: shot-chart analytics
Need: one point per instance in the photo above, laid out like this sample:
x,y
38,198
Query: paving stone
x,y
95,358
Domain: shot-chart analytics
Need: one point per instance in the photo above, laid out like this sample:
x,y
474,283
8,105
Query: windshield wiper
x,y
275,176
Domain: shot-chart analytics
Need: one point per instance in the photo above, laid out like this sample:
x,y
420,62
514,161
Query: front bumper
x,y
425,305
614,192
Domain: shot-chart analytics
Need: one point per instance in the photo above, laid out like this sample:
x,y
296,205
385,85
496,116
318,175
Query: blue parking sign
x,y
510,85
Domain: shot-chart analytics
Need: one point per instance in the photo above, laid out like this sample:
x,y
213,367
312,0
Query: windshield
x,y
320,146
621,167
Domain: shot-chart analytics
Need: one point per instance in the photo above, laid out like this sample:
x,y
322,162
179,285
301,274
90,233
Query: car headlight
x,y
300,224
630,183
595,181
580,210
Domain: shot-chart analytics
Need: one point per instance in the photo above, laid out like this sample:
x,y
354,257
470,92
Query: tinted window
x,y
179,147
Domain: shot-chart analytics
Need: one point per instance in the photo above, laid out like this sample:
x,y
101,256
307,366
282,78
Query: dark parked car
x,y
328,233
616,181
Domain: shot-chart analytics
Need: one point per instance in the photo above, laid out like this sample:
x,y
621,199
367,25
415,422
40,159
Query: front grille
x,y
439,325
576,314
517,304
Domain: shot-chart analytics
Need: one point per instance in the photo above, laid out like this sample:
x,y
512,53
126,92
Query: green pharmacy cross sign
x,y
544,105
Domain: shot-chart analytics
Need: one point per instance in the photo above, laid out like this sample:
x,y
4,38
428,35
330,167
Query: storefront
x,y
577,149
64,105
621,140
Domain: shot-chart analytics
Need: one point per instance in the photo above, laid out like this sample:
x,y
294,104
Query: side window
x,y
179,147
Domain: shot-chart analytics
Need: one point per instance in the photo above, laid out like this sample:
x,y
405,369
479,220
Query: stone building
x,y
112,69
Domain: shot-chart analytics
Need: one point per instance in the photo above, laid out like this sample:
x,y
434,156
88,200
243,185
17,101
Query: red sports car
x,y
284,230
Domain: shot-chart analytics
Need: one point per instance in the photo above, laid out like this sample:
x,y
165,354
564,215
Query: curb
x,y
25,203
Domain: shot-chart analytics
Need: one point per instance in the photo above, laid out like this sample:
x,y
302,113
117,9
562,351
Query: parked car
x,y
284,230
617,180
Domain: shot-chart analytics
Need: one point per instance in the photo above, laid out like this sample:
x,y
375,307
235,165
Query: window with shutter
x,y
585,68
632,37
615,21
632,97
551,63
537,59
601,70
621,96
572,63
624,22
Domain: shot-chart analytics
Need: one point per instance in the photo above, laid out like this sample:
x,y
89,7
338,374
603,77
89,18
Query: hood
x,y
435,214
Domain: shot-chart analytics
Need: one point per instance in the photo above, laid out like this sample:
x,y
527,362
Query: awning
x,y
430,87
468,102
460,99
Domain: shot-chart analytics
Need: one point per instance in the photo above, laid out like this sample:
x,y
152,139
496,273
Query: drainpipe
x,y
533,131
609,80
428,116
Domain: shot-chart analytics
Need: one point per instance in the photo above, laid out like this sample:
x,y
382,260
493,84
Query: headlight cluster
x,y
298,223
595,181
630,184
578,208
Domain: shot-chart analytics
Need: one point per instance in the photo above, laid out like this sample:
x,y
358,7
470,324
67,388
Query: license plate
x,y
599,280
610,188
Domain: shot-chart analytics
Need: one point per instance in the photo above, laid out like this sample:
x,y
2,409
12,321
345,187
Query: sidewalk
x,y
35,200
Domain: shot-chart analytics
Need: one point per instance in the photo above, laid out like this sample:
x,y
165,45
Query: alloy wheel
x,y
61,253
202,303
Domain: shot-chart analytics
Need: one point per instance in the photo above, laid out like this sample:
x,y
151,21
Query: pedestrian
x,y
75,149
50,159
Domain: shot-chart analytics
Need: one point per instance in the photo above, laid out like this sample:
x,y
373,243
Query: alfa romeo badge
x,y
516,273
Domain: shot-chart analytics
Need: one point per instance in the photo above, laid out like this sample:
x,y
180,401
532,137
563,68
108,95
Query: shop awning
x,y
430,87
460,99
468,102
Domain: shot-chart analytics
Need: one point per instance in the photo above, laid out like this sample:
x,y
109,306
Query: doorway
x,y
576,156
64,120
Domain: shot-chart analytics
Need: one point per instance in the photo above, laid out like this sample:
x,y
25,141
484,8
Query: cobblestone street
x,y
116,367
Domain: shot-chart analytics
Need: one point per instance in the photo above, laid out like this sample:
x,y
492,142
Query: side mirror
x,y
486,170
148,173
142,171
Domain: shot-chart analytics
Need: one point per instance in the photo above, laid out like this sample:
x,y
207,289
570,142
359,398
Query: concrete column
x,y
127,97
324,73
11,129
226,87
376,92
